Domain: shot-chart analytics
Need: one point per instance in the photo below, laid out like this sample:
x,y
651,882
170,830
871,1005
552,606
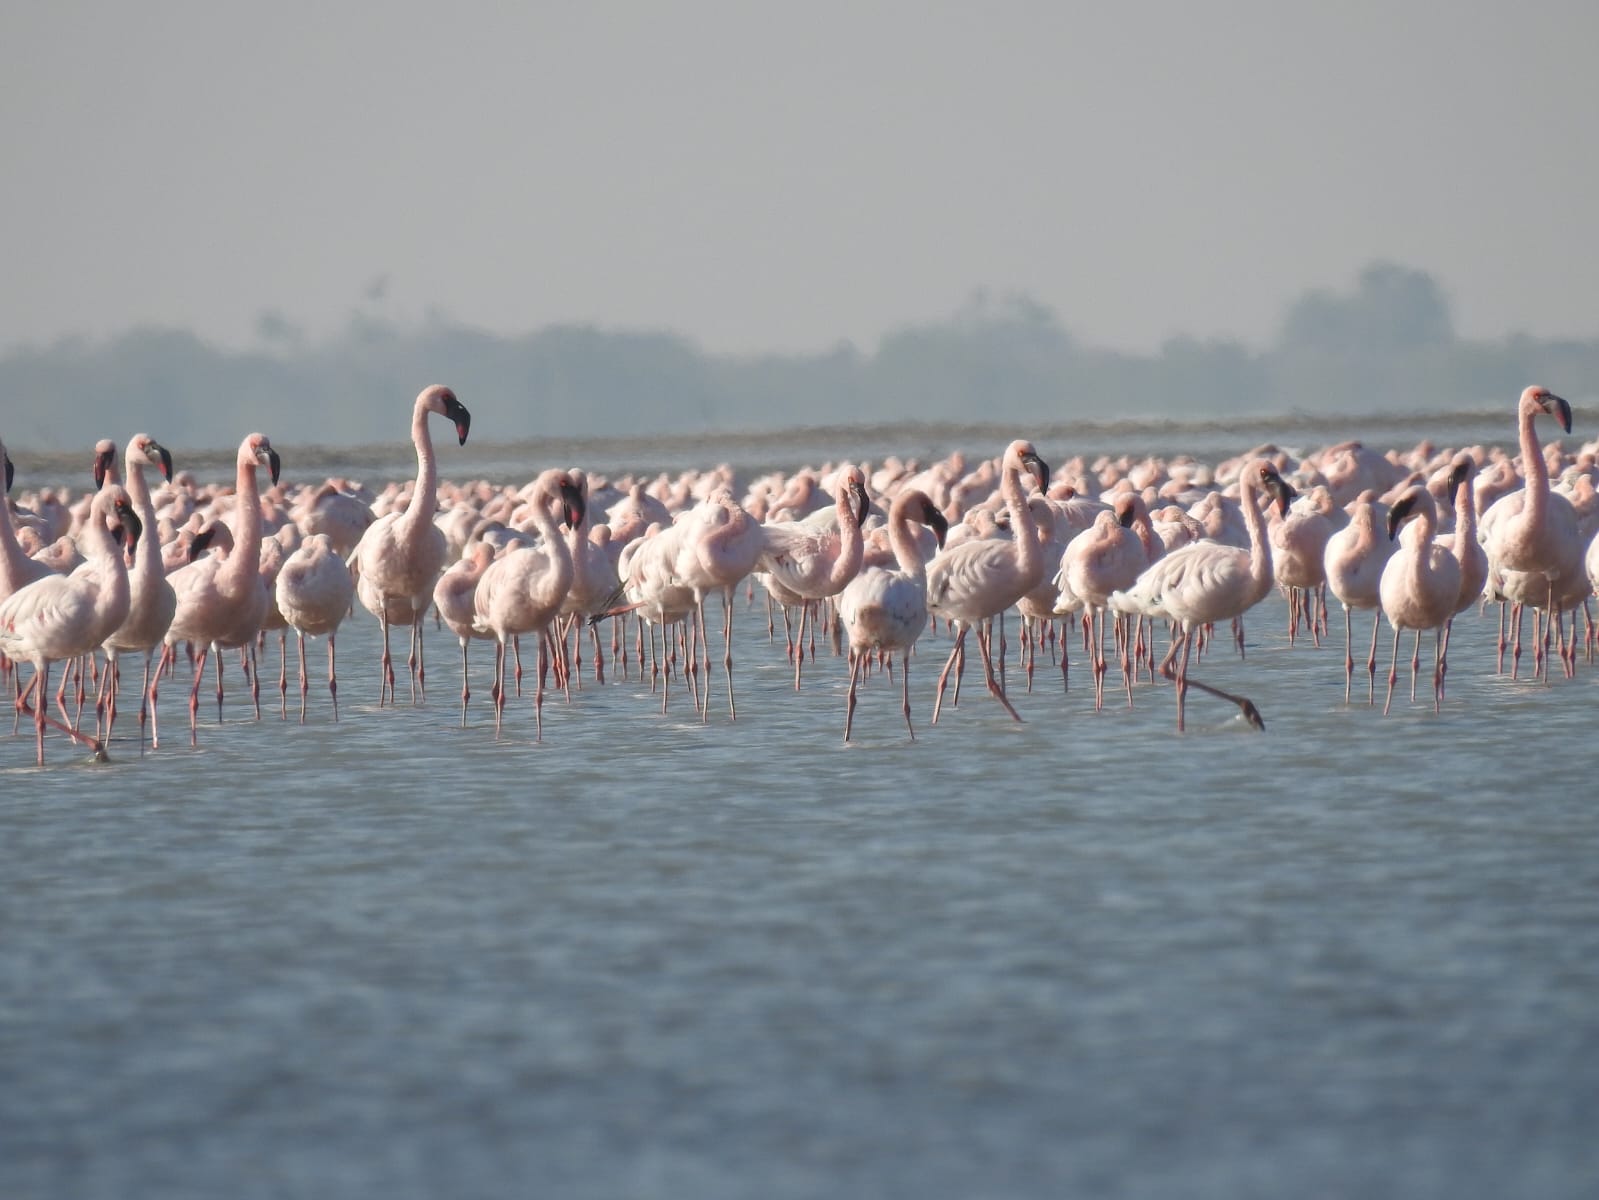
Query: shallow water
x,y
649,957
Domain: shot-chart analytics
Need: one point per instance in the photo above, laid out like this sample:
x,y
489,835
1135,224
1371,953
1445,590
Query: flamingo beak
x,y
462,419
102,466
274,463
1399,512
1561,411
1458,477
573,507
938,523
165,457
11,470
1039,468
863,503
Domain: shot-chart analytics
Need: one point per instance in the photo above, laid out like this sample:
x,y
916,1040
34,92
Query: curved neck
x,y
1029,556
902,540
851,547
244,558
424,498
556,546
1259,543
1533,469
149,556
1465,515
11,555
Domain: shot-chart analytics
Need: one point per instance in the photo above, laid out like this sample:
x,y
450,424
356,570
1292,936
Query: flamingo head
x,y
1282,491
573,506
855,486
1415,501
1462,469
257,449
934,520
105,461
1027,457
1541,399
153,452
441,400
126,527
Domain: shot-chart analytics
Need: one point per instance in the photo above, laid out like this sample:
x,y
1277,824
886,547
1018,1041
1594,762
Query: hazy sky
x,y
765,176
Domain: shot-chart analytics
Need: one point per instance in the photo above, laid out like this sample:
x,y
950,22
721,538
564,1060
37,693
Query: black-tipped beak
x,y
1397,515
1125,519
1281,489
132,528
166,460
103,463
863,503
462,418
573,507
937,522
11,470
274,463
1458,477
1560,412
201,542
1039,468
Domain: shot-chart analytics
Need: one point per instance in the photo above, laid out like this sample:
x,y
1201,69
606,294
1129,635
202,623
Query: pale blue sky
x,y
762,176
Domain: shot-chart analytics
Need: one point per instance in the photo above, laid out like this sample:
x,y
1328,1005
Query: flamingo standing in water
x,y
886,610
313,589
977,580
522,591
804,565
401,555
1108,557
721,545
64,616
1420,583
1534,530
1206,582
1466,548
221,600
454,596
152,601
1353,563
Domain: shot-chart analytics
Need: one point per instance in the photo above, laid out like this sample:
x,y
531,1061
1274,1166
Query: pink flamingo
x,y
973,582
65,616
1420,583
1353,563
313,590
522,590
401,555
802,564
1463,544
1534,530
1205,582
220,598
1108,557
1298,555
17,569
152,601
454,597
886,610
720,547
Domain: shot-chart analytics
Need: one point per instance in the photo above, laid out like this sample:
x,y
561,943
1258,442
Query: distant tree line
x,y
1387,342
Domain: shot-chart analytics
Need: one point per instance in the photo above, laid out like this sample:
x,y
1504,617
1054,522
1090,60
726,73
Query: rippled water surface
x,y
1351,956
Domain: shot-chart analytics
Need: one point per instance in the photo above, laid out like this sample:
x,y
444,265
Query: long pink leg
x,y
856,658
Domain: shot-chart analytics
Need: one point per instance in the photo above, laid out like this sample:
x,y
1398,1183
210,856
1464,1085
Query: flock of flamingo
x,y
874,557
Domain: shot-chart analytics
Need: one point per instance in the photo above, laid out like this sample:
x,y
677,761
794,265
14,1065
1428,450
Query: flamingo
x,y
1353,563
1205,582
65,616
401,554
220,598
977,580
17,569
313,590
1465,546
1534,530
1421,582
453,596
523,590
152,601
803,564
1106,558
721,544
886,610
1298,555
